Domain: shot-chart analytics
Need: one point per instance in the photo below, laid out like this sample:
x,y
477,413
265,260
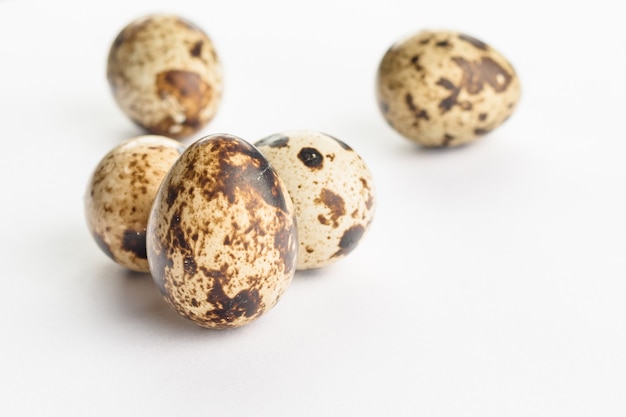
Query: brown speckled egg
x,y
165,75
331,189
441,88
120,194
222,236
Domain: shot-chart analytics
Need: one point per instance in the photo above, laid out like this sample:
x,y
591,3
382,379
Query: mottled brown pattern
x,y
190,92
369,202
225,310
336,207
222,241
419,113
478,73
415,61
475,76
120,194
441,88
335,195
181,60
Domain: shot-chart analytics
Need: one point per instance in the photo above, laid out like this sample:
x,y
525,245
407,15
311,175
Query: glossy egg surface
x,y
222,236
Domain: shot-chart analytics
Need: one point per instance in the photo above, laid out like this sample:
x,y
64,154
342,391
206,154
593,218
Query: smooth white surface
x,y
492,282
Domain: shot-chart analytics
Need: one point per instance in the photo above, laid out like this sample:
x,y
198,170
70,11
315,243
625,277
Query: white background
x,y
492,281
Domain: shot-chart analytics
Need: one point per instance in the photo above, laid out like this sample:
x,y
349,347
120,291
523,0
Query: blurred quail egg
x,y
442,88
165,75
222,236
120,194
331,189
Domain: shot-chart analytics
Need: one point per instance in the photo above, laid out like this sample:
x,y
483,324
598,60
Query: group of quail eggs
x,y
223,224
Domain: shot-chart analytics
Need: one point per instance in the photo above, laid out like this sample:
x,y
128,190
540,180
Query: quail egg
x,y
443,88
165,75
331,188
120,194
222,236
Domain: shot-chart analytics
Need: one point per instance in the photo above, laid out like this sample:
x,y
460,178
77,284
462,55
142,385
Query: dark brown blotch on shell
x,y
349,240
135,241
478,73
246,303
335,204
370,200
481,131
274,141
475,42
474,77
172,194
190,91
196,50
415,62
311,157
189,265
417,112
236,178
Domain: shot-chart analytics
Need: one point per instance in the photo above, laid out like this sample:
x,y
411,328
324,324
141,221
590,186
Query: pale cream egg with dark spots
x,y
332,190
222,236
120,194
165,75
445,88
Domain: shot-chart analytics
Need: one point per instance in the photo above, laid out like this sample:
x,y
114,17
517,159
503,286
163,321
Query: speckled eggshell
x,y
442,88
222,236
331,188
120,194
165,75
